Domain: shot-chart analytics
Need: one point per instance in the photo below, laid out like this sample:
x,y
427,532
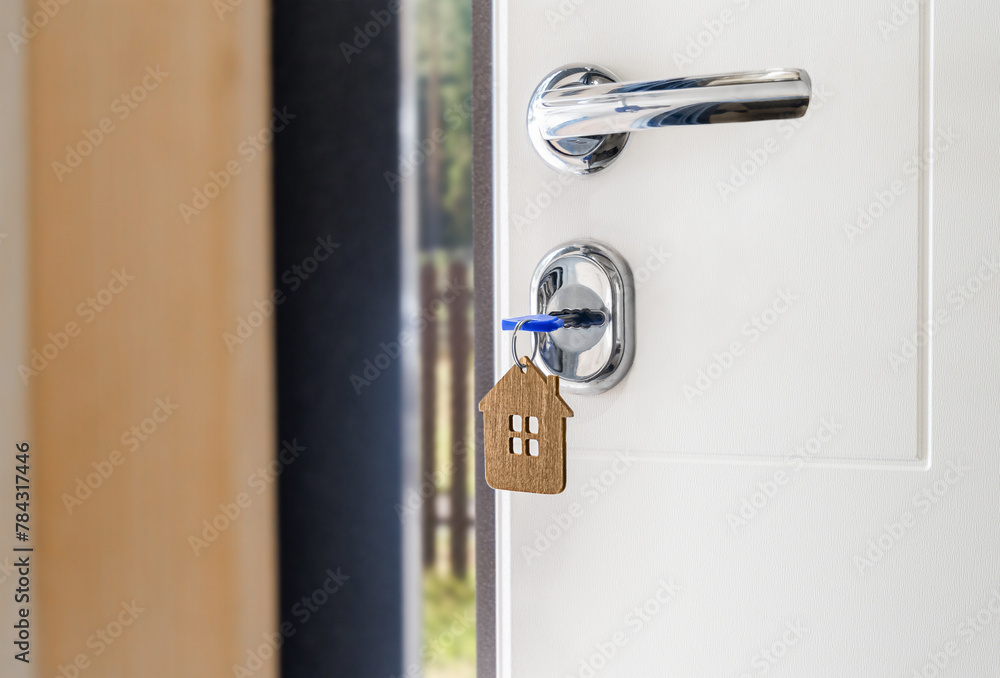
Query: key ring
x,y
513,346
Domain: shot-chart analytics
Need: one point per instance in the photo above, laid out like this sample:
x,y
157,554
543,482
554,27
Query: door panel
x,y
801,460
766,297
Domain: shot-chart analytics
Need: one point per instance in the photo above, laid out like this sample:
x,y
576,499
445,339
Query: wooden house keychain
x,y
525,422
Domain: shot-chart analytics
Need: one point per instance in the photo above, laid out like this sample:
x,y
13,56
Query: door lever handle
x,y
580,116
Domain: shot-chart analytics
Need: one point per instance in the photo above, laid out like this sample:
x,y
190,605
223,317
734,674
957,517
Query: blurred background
x,y
444,103
236,256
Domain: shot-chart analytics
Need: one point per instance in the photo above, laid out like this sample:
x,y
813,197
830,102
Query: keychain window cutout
x,y
515,422
516,446
532,424
533,447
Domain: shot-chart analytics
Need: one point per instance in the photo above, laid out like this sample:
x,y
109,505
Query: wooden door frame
x,y
155,99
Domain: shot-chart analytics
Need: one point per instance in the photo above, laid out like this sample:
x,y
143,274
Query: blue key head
x,y
534,323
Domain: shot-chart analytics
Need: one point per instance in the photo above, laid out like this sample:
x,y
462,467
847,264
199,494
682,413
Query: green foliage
x,y
444,47
449,625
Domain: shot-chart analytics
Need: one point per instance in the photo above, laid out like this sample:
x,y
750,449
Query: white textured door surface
x,y
800,474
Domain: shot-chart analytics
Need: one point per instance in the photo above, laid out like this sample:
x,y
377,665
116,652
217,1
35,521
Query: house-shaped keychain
x,y
525,432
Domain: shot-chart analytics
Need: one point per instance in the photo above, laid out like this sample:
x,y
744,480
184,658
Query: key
x,y
567,317
524,417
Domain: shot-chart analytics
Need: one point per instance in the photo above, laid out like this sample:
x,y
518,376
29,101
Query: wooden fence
x,y
446,343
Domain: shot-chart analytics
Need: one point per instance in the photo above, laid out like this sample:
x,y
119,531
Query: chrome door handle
x,y
580,116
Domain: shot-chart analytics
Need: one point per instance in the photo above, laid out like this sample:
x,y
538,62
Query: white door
x,y
800,474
